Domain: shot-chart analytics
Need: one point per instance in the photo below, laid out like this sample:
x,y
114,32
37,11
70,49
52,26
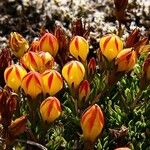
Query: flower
x,y
48,43
92,123
92,66
32,61
110,46
79,48
32,84
48,61
123,148
18,44
73,72
84,90
52,82
126,60
13,76
50,109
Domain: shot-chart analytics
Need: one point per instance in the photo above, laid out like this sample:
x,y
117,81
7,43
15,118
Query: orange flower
x,y
52,82
32,84
32,61
50,109
92,123
48,60
126,60
110,46
84,90
48,43
123,148
73,72
79,48
13,76
18,44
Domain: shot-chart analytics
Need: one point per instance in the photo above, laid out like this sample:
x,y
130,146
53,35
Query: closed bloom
x,y
18,44
52,82
84,91
32,61
48,43
79,48
110,46
73,72
48,60
92,123
126,60
13,76
32,84
92,66
123,148
50,109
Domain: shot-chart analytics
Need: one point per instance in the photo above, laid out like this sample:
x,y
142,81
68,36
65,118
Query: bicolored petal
x,y
52,82
74,73
110,46
50,109
92,123
13,76
79,48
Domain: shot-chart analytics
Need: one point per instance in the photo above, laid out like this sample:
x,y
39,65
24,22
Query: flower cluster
x,y
50,76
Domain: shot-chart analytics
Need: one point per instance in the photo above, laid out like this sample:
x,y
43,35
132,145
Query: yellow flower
x,y
32,61
34,46
92,66
32,84
13,76
126,60
48,60
48,43
84,91
110,46
73,72
18,44
79,48
92,123
50,109
52,82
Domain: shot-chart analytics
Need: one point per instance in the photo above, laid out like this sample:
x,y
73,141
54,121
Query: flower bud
x,y
52,82
84,91
34,46
133,38
73,72
18,126
13,76
110,46
126,60
48,43
32,61
32,84
50,109
79,48
48,60
92,66
18,44
123,148
92,123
